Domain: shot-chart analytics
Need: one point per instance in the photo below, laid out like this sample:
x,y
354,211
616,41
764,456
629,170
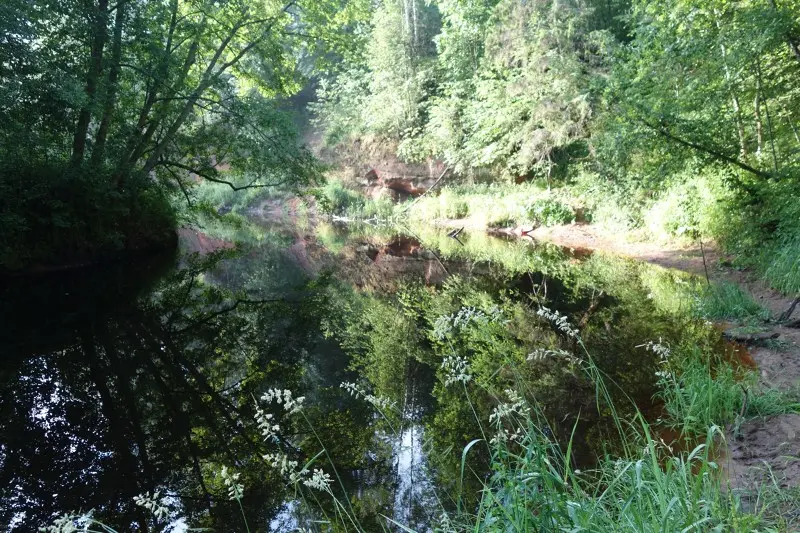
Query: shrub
x,y
550,212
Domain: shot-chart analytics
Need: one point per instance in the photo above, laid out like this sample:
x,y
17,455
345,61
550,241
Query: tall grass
x,y
650,486
337,199
497,205
700,390
781,267
727,301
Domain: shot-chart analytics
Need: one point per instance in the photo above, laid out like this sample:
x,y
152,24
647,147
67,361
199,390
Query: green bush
x,y
550,212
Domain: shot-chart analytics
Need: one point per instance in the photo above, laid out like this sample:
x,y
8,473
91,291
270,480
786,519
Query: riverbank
x,y
762,450
746,307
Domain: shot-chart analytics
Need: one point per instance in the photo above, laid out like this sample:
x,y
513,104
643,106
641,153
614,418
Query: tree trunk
x,y
759,78
416,36
788,116
99,28
111,89
759,124
663,131
737,110
138,138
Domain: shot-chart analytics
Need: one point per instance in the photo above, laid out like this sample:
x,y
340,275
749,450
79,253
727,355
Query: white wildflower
x,y
287,467
541,354
505,435
290,404
456,370
231,481
559,321
379,402
661,350
319,480
266,425
153,503
664,375
445,525
516,406
466,316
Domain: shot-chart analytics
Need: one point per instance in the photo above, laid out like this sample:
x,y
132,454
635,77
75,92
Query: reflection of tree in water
x,y
155,393
386,334
107,393
135,394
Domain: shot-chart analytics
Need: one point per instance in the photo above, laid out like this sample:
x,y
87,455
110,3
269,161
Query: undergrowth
x,y
726,301
54,217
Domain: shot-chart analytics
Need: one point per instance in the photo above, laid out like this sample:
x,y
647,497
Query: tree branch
x,y
205,175
664,132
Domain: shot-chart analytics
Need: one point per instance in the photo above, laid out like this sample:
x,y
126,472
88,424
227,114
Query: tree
x,y
108,109
695,77
161,88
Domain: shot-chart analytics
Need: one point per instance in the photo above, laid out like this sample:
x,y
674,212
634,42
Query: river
x,y
128,379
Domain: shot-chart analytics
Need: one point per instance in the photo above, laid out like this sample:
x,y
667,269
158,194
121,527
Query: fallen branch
x,y
788,313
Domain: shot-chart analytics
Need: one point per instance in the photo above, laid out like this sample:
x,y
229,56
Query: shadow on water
x,y
133,379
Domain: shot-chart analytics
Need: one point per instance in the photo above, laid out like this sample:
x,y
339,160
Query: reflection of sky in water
x,y
286,519
415,491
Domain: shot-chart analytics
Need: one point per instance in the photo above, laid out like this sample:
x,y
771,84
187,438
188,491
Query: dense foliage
x,y
679,116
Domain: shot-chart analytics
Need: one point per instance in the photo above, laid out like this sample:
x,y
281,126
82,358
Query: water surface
x,y
122,380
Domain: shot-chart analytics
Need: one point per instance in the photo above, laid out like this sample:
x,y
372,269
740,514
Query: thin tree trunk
x,y
759,124
737,110
137,138
759,77
211,74
414,12
661,130
99,22
788,116
111,91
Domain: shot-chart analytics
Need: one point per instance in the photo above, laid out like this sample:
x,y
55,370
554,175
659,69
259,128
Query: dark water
x,y
141,377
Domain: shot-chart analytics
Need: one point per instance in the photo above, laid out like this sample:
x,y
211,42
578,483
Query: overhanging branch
x,y
664,132
206,176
